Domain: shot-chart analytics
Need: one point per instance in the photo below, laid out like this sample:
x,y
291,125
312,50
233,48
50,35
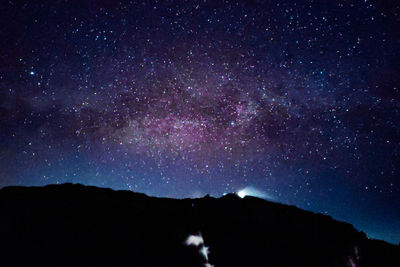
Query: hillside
x,y
76,225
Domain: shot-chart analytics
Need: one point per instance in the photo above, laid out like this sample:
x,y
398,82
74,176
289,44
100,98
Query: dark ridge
x,y
76,225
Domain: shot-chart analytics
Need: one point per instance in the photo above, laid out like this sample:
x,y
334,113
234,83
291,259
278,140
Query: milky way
x,y
296,99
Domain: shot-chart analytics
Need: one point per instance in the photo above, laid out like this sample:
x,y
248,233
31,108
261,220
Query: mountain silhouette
x,y
76,225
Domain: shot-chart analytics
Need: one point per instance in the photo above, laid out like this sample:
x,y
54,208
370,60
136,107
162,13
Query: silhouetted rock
x,y
76,225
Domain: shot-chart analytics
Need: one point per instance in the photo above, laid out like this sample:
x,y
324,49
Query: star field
x,y
298,99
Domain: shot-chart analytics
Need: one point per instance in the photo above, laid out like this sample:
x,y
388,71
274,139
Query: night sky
x,y
298,100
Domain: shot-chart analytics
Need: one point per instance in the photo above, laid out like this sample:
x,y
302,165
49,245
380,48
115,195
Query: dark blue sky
x,y
297,99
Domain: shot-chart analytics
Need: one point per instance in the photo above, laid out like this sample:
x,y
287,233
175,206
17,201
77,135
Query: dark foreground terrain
x,y
75,225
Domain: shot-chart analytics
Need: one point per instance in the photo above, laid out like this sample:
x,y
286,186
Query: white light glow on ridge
x,y
251,191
